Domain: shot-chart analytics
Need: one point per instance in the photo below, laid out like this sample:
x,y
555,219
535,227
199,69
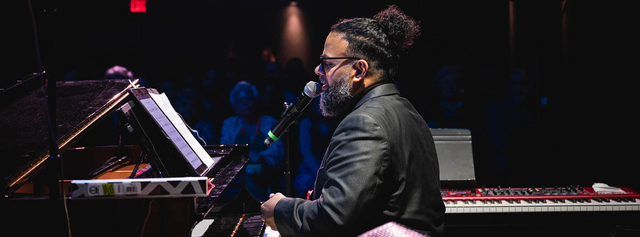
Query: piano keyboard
x,y
245,225
514,200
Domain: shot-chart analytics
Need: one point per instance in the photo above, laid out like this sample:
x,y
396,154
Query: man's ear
x,y
362,68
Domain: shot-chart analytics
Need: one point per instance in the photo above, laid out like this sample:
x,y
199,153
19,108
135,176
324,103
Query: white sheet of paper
x,y
605,188
169,120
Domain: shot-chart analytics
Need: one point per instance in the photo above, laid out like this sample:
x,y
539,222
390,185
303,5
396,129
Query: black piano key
x,y
251,225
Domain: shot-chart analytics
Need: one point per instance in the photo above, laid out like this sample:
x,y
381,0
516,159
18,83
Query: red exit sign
x,y
138,6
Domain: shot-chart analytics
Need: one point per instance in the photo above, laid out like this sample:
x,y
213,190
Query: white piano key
x,y
201,227
268,232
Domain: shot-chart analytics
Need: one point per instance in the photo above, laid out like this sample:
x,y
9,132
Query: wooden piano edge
x,y
24,175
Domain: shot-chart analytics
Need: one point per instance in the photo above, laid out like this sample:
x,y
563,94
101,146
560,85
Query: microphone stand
x,y
54,162
312,90
287,169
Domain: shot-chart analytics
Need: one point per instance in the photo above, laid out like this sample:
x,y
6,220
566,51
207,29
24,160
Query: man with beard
x,y
381,164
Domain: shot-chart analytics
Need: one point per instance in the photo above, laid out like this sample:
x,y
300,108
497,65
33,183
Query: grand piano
x,y
96,146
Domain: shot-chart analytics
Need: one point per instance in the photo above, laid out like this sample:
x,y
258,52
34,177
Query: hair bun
x,y
400,28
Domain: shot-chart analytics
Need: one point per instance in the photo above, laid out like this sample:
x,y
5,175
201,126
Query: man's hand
x,y
267,209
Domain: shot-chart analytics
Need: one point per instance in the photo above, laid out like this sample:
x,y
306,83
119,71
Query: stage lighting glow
x,y
294,38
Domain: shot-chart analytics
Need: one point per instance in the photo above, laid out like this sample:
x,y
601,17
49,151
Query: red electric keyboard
x,y
539,199
542,211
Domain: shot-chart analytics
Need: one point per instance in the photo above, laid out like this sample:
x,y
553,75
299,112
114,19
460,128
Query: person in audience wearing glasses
x,y
380,165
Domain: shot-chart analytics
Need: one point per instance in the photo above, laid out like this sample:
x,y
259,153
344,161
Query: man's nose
x,y
318,70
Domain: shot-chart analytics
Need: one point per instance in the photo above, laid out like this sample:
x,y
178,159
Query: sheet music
x,y
161,110
177,121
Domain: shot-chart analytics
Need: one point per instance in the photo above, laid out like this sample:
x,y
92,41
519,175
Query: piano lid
x,y
24,126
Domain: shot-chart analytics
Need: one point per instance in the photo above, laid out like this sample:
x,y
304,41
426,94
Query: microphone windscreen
x,y
313,89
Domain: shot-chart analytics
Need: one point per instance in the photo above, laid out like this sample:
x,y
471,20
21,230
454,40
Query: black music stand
x,y
166,141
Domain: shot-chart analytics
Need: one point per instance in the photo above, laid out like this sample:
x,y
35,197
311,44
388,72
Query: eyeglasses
x,y
323,65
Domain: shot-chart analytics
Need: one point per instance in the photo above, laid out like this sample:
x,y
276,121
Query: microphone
x,y
293,111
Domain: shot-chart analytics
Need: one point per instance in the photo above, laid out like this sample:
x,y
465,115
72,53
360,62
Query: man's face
x,y
244,103
335,75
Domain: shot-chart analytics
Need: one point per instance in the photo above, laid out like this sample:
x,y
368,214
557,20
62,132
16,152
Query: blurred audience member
x,y
271,98
186,104
214,99
294,79
118,72
72,75
262,174
449,111
168,87
507,115
207,132
270,65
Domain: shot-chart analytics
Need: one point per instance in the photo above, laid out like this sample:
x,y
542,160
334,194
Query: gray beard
x,y
335,97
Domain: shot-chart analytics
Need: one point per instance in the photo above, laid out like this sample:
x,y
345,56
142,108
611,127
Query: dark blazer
x,y
380,166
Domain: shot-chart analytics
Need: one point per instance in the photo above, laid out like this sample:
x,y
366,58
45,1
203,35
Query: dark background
x,y
584,133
